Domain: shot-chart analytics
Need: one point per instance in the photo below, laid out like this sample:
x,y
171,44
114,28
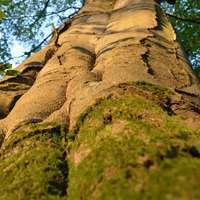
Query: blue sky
x,y
18,48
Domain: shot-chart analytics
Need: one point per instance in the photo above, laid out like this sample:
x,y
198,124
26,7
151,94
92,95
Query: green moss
x,y
129,148
29,130
159,94
124,148
32,165
156,89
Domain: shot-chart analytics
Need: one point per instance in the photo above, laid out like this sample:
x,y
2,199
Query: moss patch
x,y
150,155
32,164
157,90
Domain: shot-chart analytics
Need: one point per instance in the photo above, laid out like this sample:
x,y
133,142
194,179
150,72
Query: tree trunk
x,y
108,110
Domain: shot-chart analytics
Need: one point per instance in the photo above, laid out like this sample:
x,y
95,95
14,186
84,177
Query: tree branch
x,y
39,45
31,51
47,14
195,20
41,13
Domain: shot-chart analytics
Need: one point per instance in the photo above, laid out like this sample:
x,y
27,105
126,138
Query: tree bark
x,y
109,109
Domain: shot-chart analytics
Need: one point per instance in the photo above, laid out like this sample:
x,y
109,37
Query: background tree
x,y
30,23
108,109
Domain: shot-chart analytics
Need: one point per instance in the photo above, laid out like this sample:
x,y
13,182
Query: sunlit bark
x,y
110,56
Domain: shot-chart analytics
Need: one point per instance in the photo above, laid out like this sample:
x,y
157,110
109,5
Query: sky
x,y
18,48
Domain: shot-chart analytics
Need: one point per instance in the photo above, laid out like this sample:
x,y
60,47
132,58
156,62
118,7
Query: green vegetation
x,y
30,24
24,21
6,69
126,147
32,164
129,148
186,21
161,93
3,3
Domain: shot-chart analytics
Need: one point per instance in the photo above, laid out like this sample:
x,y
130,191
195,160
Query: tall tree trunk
x,y
108,110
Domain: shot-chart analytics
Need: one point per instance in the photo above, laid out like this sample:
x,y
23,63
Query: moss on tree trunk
x,y
33,165
108,110
130,148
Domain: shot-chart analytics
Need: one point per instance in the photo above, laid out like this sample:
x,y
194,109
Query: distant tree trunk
x,y
108,110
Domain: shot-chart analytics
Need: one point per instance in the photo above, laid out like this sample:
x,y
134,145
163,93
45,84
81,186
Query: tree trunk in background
x,y
108,110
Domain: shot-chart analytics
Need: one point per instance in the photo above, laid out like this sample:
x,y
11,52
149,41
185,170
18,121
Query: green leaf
x,y
4,2
2,14
197,71
6,66
6,69
12,72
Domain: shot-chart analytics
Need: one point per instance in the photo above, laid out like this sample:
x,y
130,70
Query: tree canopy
x,y
30,22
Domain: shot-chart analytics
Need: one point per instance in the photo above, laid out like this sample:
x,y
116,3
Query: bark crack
x,y
146,58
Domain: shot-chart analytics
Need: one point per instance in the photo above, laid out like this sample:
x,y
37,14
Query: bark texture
x,y
109,109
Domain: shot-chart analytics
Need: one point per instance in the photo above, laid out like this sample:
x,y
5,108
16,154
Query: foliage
x,y
2,15
197,71
3,2
6,69
29,22
186,21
